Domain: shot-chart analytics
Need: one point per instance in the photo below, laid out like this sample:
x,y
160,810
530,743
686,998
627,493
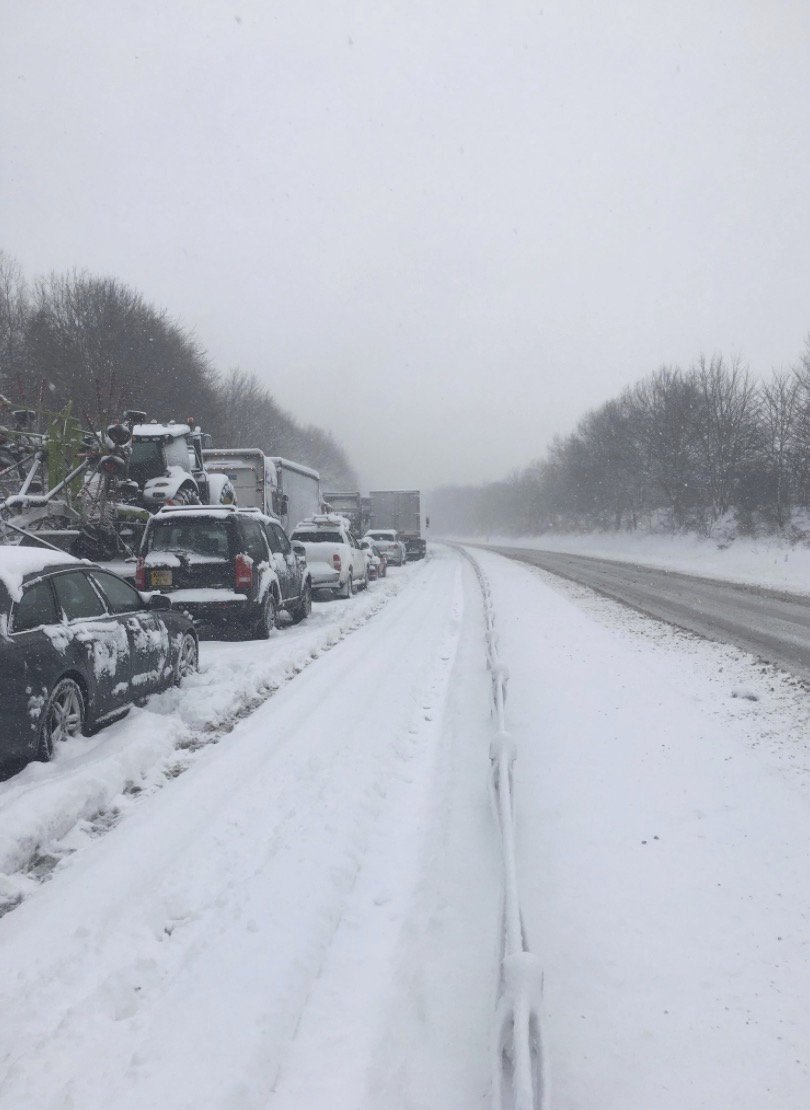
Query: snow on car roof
x,y
216,511
18,562
160,430
318,519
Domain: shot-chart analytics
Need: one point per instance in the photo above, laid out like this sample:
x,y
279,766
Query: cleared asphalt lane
x,y
772,625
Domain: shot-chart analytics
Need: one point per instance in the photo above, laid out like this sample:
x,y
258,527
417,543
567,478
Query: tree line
x,y
698,449
95,342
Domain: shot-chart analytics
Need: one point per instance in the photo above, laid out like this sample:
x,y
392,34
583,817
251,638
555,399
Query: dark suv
x,y
225,566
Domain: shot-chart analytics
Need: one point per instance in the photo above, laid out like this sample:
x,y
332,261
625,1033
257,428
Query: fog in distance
x,y
442,231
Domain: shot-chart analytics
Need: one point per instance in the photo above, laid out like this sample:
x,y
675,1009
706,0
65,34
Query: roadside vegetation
x,y
99,344
706,450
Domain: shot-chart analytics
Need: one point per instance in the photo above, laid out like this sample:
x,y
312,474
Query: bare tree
x,y
667,406
14,314
250,417
728,428
779,415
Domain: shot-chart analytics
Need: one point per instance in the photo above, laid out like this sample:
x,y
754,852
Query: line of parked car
x,y
79,644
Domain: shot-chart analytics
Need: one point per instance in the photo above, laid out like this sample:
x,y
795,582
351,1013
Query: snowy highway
x,y
279,886
769,623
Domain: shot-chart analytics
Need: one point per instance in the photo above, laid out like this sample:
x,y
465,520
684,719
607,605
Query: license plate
x,y
161,578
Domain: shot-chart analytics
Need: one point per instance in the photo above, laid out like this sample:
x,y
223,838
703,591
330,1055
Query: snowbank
x,y
772,563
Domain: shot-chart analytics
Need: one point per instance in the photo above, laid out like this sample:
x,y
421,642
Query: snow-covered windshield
x,y
147,462
317,537
195,535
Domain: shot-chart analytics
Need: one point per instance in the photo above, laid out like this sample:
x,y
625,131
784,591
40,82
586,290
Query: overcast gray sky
x,y
442,230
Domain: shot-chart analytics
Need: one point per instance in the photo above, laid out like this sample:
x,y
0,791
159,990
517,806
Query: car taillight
x,y
140,574
243,572
336,563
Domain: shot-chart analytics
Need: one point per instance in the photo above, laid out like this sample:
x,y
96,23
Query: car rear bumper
x,y
324,579
229,610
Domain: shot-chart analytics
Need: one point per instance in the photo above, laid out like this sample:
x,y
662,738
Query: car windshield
x,y
197,536
317,537
146,462
386,536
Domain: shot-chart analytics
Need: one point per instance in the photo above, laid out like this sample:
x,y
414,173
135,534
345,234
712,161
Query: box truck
x,y
400,509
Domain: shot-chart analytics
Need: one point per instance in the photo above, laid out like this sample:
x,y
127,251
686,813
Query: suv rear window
x,y
201,535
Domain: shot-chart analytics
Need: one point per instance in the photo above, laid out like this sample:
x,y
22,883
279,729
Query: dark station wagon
x,y
78,646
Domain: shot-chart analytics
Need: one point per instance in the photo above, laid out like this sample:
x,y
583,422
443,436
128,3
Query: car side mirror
x,y
299,549
159,601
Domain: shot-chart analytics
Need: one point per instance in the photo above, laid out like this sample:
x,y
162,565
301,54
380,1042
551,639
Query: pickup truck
x,y
334,556
389,543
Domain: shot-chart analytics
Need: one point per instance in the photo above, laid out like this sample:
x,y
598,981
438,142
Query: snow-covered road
x,y
308,915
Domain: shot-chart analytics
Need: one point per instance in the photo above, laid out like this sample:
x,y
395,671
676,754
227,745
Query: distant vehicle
x,y
78,646
399,509
377,562
334,556
225,566
166,461
350,505
389,543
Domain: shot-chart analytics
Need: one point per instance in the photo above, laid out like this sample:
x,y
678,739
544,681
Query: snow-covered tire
x,y
347,589
267,619
186,495
63,715
304,606
188,655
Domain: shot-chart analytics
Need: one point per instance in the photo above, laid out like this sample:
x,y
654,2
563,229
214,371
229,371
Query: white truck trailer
x,y
400,509
281,488
297,493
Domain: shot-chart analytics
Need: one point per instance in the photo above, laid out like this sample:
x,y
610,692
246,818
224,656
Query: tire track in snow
x,y
156,963
400,1015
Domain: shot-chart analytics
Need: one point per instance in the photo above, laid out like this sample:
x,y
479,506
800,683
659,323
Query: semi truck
x,y
400,509
281,488
352,506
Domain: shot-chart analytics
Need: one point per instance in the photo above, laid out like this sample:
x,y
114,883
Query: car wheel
x,y
304,606
348,586
267,621
63,716
364,583
187,658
